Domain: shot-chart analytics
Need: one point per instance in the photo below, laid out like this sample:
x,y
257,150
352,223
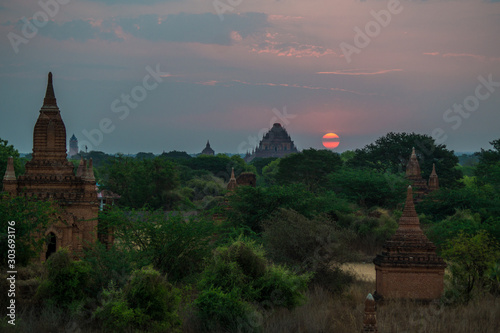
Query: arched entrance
x,y
51,245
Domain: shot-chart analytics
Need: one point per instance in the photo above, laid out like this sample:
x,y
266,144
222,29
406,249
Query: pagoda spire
x,y
433,179
413,168
50,97
409,217
10,173
79,171
232,181
90,171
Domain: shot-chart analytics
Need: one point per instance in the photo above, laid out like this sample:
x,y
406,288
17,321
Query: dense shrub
x,y
148,301
237,276
221,310
66,283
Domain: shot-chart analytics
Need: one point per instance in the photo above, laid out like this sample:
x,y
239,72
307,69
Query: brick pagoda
x,y
50,176
414,175
409,266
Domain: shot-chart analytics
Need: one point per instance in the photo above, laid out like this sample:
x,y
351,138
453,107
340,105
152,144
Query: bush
x,y
148,301
67,281
218,309
281,287
239,275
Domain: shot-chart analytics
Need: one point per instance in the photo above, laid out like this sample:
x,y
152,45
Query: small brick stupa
x,y
409,266
50,177
370,317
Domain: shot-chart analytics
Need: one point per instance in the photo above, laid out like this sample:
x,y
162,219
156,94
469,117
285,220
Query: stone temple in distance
x,y
275,143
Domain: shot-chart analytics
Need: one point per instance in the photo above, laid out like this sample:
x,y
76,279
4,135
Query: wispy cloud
x,y
205,28
359,72
285,46
477,57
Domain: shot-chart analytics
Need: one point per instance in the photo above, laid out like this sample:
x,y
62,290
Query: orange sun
x,y
331,140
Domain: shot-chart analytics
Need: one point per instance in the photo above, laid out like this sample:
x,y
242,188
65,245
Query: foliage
x,y
144,156
471,257
107,266
251,206
463,221
219,166
167,241
368,187
488,168
148,301
444,202
309,167
309,245
218,309
174,155
31,220
66,282
269,172
259,163
141,182
239,275
391,153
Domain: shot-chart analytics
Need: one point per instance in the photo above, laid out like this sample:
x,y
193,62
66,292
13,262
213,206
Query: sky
x,y
161,75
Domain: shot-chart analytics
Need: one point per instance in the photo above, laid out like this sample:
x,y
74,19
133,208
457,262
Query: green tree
x,y
141,182
167,241
470,259
368,187
391,153
31,220
309,167
488,168
260,163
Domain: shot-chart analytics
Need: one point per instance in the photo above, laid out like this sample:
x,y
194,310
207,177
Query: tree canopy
x,y
391,153
309,167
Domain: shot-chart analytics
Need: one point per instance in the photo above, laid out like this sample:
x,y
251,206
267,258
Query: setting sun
x,y
331,140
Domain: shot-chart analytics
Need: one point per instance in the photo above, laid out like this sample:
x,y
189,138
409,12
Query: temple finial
x,y
232,182
10,174
370,317
409,211
90,175
50,97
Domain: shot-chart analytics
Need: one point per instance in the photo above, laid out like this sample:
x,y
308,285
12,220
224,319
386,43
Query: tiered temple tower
x,y
50,176
208,150
275,143
420,185
409,266
73,146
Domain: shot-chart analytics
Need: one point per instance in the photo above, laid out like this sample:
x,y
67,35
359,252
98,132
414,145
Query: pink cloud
x,y
356,72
